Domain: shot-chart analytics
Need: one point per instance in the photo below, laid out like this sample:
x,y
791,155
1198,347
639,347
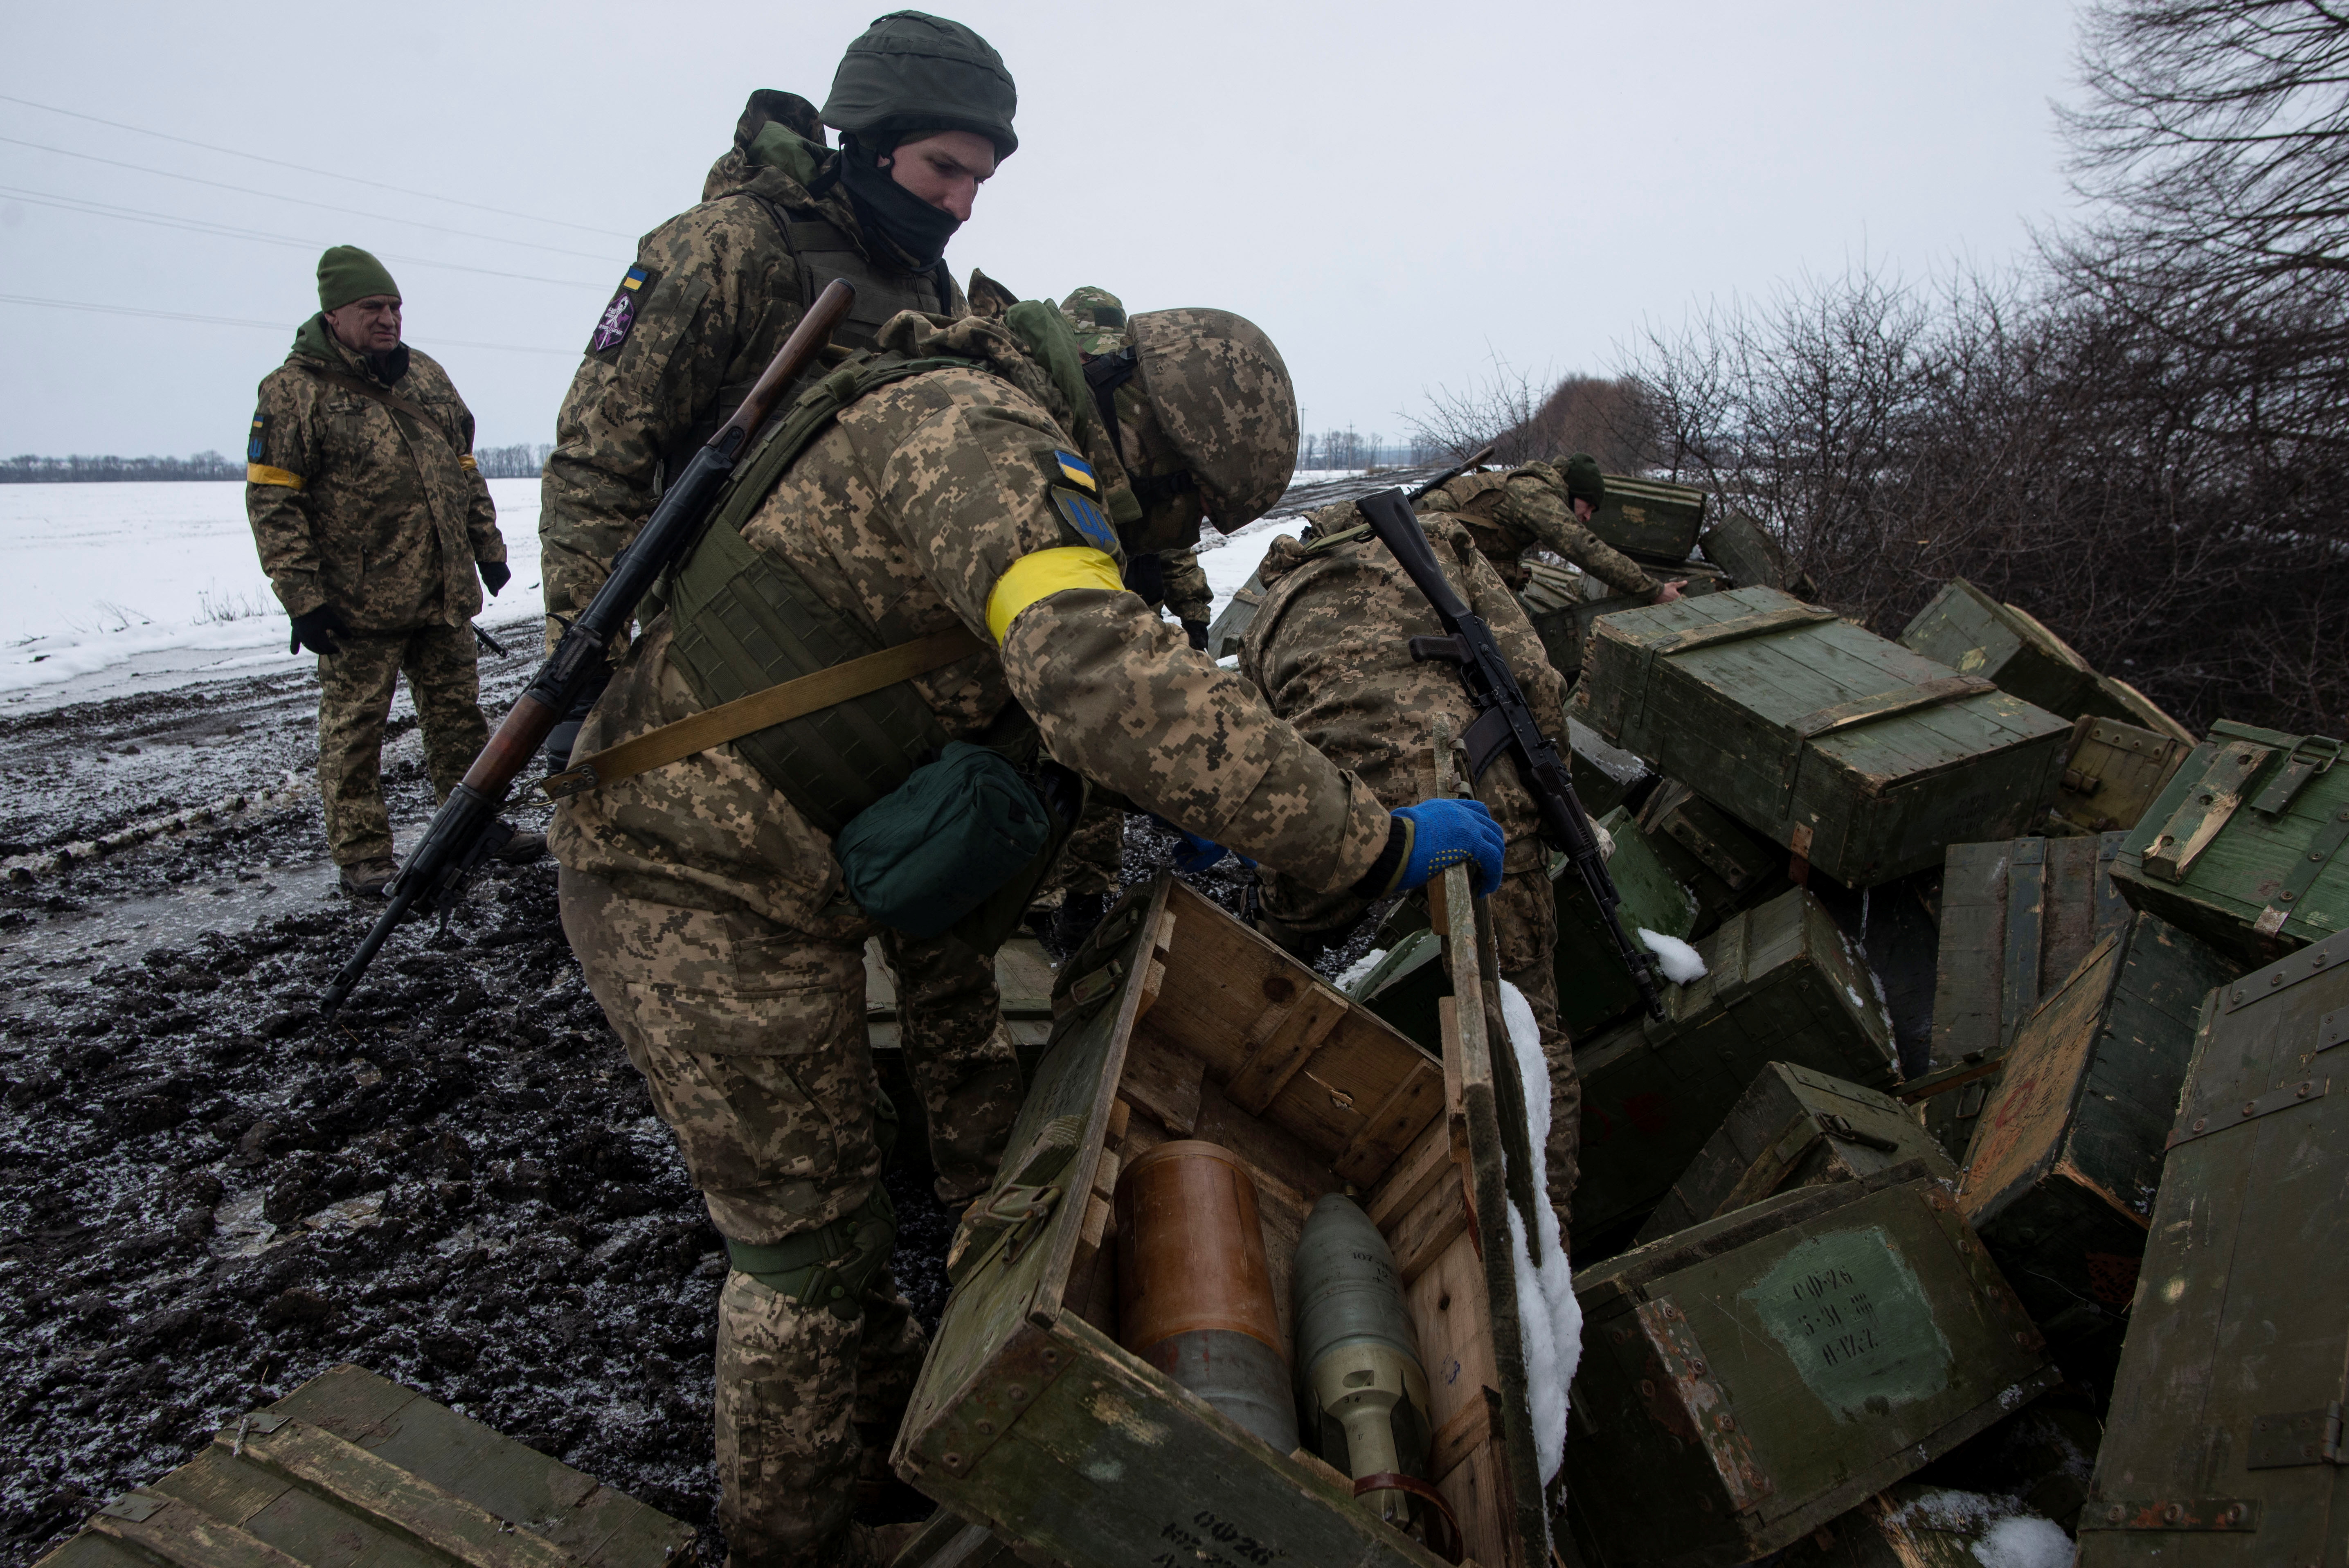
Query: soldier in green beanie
x,y
924,110
372,522
1545,506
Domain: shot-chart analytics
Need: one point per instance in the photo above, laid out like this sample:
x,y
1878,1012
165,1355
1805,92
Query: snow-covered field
x,y
111,588
106,588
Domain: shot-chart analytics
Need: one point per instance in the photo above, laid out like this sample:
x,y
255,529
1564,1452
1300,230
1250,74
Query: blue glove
x,y
1445,833
1195,854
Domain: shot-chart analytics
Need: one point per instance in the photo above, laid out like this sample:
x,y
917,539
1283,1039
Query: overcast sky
x,y
1396,192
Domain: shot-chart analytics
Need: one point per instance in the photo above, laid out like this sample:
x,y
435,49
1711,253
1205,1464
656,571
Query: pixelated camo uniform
x,y
708,914
384,517
1329,647
1526,509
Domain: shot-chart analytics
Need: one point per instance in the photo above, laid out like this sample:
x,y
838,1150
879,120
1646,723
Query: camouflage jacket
x,y
713,293
907,514
356,505
1330,649
1187,594
1510,513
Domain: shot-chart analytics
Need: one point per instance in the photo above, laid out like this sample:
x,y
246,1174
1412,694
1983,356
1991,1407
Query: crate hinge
x,y
2218,1119
2237,1514
2304,872
2298,1437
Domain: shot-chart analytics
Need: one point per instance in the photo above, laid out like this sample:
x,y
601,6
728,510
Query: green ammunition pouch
x,y
831,1266
744,620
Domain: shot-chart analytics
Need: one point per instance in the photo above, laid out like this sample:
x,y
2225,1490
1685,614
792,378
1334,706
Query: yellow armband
x,y
263,474
468,464
1044,573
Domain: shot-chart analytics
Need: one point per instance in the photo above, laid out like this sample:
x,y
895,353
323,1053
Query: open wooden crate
x,y
1177,1021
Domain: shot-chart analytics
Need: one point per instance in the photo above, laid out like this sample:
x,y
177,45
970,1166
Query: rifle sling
x,y
370,390
747,716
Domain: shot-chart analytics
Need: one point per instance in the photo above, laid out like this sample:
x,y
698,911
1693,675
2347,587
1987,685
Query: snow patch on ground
x,y
160,584
1357,971
1680,963
1551,1317
2024,1541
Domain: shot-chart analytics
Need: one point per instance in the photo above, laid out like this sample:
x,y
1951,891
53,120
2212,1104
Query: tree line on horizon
x,y
521,461
2139,434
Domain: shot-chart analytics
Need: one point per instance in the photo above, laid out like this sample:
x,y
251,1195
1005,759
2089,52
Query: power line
x,y
242,321
325,206
305,168
223,230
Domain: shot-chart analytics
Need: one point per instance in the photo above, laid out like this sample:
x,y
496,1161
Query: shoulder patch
x,y
1072,470
619,317
253,445
1083,513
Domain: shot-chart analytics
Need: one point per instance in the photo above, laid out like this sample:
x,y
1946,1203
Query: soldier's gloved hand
x,y
495,575
317,631
1197,632
1442,833
1194,854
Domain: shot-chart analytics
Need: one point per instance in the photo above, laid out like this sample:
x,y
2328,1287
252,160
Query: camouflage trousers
x,y
354,689
1093,858
958,1056
752,1039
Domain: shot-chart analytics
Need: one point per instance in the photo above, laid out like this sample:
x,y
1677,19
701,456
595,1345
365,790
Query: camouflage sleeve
x,y
1118,693
481,512
1187,594
1541,510
705,284
281,459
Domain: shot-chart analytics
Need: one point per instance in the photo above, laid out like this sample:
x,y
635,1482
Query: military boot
x,y
370,879
526,845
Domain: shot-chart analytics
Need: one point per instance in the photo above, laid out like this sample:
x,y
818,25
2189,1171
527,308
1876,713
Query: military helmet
x,y
1098,318
1223,398
912,72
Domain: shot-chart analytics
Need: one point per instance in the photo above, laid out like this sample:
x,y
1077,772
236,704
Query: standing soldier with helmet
x,y
925,108
968,509
371,520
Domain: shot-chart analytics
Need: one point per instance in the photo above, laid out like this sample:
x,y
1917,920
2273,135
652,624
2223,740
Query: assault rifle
x,y
465,830
1503,722
1477,459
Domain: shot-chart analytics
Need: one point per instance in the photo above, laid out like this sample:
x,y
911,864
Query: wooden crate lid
x,y
351,1465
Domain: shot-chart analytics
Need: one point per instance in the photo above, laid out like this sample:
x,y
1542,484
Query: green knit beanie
x,y
345,272
1584,481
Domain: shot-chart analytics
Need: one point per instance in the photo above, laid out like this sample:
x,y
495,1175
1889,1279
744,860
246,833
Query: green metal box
x,y
1747,1380
1178,1022
1865,758
1725,864
1594,986
1793,1128
2242,849
2061,1173
1650,520
2223,1444
2016,918
352,1468
1782,984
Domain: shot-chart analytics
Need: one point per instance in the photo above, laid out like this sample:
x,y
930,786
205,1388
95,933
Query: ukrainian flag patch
x,y
1083,514
253,447
1075,470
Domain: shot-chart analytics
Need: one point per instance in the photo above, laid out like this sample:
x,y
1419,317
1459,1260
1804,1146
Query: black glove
x,y
495,575
318,629
1197,632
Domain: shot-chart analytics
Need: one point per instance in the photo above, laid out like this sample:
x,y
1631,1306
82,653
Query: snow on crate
x,y
1550,1317
1680,963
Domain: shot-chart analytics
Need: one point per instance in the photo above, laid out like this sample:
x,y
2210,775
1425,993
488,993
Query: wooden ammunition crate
x,y
350,1468
1782,984
1975,635
2223,1444
1793,1128
1178,1022
1863,757
2016,918
1747,1380
2113,774
1650,520
1744,549
2061,1174
1594,984
2242,849
1604,776
1725,864
1564,622
1231,622
1909,1526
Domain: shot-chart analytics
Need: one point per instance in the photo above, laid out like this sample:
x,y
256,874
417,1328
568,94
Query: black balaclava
x,y
915,227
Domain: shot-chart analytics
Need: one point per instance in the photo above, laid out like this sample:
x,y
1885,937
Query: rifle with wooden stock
x,y
1506,723
465,830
